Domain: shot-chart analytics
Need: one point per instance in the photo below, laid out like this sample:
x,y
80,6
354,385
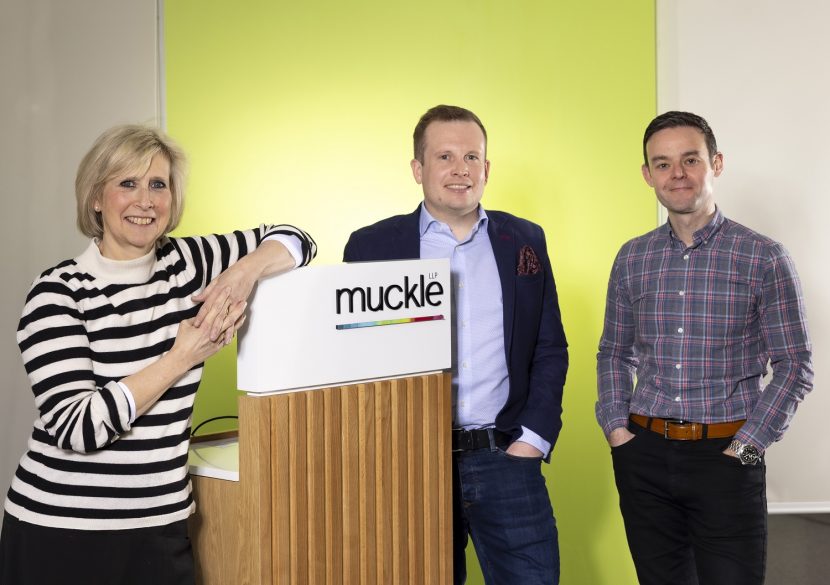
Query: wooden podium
x,y
345,485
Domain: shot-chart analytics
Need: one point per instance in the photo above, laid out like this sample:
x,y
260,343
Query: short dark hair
x,y
677,119
442,113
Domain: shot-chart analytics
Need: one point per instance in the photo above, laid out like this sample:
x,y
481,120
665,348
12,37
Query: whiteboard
x,y
757,71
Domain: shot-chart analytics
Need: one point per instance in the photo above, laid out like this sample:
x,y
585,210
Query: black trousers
x,y
693,515
37,555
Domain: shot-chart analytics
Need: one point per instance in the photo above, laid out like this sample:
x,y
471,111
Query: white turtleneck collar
x,y
134,271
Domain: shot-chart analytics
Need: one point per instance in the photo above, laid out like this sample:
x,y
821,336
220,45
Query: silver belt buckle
x,y
491,438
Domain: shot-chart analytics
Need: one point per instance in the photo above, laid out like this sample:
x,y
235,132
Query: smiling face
x,y
135,211
681,171
454,171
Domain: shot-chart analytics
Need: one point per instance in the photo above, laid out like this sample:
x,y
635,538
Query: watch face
x,y
749,455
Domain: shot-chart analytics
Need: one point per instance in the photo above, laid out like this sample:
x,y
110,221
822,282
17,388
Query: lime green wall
x,y
303,112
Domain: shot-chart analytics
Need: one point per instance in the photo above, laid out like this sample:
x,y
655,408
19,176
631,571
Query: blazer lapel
x,y
408,243
504,249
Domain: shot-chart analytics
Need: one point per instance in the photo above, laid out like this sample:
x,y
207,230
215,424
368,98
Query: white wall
x,y
757,71
68,70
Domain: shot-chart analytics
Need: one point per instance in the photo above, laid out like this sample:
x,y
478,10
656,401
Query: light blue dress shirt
x,y
480,380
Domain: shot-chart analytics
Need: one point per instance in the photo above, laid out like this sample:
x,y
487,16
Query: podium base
x,y
349,484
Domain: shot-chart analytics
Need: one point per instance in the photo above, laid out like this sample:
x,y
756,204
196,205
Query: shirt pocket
x,y
645,307
729,310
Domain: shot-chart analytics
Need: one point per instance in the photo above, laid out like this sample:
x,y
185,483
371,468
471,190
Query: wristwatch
x,y
748,454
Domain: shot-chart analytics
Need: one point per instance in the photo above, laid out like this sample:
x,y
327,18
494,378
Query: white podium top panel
x,y
331,325
219,459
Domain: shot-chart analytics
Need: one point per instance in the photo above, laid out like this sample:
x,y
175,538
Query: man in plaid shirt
x,y
696,310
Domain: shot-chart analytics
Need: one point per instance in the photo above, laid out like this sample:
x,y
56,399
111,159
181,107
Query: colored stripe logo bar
x,y
389,322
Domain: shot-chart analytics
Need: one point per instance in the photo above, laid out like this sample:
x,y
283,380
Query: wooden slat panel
x,y
280,473
346,485
383,480
366,440
256,496
400,493
431,493
445,475
315,476
349,407
334,487
416,478
297,489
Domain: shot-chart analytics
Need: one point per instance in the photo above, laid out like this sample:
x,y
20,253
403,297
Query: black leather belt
x,y
479,439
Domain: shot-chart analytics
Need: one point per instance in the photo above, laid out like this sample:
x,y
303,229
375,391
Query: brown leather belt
x,y
683,430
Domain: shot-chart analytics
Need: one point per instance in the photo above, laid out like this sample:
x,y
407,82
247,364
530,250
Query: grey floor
x,y
798,550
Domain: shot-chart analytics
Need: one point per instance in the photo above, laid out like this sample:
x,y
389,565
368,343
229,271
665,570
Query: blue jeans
x,y
501,501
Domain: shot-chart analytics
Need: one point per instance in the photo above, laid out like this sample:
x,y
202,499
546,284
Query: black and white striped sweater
x,y
88,323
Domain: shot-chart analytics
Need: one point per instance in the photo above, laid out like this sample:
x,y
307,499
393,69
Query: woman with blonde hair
x,y
113,342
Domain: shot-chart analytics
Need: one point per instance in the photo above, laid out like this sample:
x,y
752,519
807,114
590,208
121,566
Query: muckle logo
x,y
416,293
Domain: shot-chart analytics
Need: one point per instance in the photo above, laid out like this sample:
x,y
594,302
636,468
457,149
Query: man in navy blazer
x,y
510,353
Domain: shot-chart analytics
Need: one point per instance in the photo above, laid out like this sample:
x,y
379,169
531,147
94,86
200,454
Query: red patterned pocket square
x,y
528,262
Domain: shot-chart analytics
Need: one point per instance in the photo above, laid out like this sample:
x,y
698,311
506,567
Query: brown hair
x,y
441,113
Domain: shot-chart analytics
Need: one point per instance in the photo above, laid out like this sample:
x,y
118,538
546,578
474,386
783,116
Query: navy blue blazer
x,y
534,340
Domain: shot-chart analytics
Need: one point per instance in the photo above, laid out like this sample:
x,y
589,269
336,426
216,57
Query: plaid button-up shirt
x,y
696,327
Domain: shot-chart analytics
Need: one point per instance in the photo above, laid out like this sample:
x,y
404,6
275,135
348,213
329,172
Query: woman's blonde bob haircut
x,y
126,151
